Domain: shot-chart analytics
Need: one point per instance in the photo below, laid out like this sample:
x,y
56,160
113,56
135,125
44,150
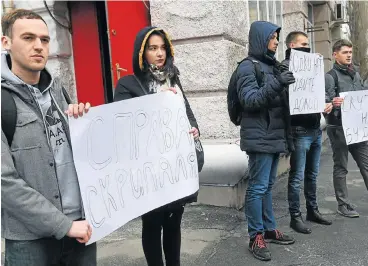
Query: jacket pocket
x,y
24,119
27,131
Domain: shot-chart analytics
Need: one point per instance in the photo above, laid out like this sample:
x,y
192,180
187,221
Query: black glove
x,y
276,71
286,78
283,67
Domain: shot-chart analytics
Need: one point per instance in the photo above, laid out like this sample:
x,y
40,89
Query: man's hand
x,y
77,109
195,133
328,108
283,67
80,230
337,101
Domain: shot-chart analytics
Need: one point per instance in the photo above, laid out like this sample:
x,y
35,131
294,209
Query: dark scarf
x,y
302,49
269,57
346,69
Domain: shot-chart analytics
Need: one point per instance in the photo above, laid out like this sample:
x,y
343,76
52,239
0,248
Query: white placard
x,y
307,94
354,115
131,157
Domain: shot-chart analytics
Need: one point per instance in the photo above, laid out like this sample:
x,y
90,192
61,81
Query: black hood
x,y
139,45
260,34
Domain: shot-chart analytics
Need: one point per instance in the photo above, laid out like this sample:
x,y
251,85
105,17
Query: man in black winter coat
x,y
305,159
263,133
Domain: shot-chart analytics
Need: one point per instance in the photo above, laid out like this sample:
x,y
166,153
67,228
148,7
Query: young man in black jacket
x,y
341,78
305,159
263,133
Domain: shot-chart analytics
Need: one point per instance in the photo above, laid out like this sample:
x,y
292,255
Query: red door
x,y
103,38
125,20
86,53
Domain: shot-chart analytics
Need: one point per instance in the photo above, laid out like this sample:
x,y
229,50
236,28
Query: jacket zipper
x,y
66,125
50,148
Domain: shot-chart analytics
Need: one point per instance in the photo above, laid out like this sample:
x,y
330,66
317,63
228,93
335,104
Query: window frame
x,y
310,24
279,55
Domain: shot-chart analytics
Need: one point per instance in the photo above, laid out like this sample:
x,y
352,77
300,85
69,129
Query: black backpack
x,y
9,113
233,104
333,73
335,116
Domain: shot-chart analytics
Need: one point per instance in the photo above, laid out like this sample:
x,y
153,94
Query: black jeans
x,y
169,220
49,251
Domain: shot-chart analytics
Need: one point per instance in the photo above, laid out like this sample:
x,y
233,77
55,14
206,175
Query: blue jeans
x,y
262,175
304,164
49,251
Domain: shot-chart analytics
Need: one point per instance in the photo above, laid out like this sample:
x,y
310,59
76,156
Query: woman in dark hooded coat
x,y
154,72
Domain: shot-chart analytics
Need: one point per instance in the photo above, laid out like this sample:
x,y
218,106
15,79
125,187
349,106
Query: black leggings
x,y
169,220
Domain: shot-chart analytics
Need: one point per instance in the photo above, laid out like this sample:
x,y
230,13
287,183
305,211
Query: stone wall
x,y
209,38
323,39
294,15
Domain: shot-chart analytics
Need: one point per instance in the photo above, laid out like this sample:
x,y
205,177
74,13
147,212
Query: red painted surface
x,y
125,19
87,53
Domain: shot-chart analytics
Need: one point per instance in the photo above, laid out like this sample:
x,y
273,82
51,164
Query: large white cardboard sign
x,y
307,94
354,115
131,157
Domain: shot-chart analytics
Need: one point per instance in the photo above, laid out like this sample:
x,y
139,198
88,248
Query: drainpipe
x,y
8,5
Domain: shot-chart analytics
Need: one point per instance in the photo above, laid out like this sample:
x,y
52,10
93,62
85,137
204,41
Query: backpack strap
x,y
8,115
140,84
333,73
66,95
257,68
259,73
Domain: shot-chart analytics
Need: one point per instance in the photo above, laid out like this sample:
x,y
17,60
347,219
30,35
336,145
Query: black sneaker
x,y
258,247
277,237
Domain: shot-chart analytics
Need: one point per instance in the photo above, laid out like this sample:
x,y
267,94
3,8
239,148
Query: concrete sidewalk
x,y
217,236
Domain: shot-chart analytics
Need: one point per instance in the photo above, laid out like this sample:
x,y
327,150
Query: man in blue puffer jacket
x,y
263,133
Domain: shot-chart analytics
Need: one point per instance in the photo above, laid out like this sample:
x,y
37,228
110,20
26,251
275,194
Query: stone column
x,y
294,15
60,62
322,18
209,37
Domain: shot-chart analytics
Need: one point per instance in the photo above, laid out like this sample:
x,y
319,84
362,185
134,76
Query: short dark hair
x,y
291,37
341,43
8,19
